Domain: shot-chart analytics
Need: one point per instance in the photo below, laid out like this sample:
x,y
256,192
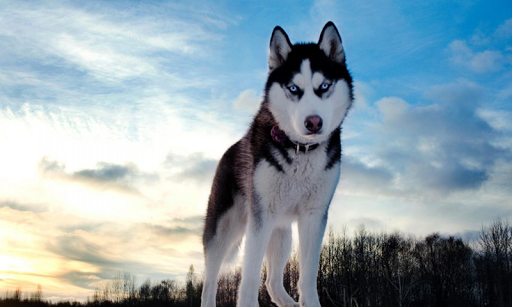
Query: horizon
x,y
475,262
113,116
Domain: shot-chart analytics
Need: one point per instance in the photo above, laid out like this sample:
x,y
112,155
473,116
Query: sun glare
x,y
14,264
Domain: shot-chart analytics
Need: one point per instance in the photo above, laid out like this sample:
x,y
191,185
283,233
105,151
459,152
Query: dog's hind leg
x,y
278,250
229,232
214,255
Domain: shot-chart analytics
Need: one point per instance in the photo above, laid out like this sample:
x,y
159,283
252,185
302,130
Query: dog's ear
x,y
280,47
330,43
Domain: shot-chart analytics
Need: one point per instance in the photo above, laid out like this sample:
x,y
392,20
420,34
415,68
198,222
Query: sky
x,y
114,114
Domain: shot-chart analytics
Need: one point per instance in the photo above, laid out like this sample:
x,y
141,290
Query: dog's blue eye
x,y
324,86
294,89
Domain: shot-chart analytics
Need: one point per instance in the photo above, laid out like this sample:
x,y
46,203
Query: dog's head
x,y
309,89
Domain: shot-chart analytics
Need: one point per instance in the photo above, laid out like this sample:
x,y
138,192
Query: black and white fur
x,y
284,169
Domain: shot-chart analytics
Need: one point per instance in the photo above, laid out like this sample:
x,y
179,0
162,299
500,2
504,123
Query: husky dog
x,y
284,169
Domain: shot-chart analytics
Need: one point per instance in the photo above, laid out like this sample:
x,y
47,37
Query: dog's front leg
x,y
311,231
259,229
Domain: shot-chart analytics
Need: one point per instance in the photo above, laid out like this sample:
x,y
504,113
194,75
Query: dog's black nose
x,y
313,123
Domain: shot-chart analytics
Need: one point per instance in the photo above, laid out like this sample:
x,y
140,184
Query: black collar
x,y
279,136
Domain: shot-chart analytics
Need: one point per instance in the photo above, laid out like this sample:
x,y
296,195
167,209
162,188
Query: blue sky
x,y
113,116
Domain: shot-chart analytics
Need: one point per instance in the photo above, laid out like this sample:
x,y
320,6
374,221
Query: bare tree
x,y
38,295
192,288
145,291
398,268
494,264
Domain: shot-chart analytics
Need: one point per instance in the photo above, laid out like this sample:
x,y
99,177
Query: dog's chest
x,y
301,182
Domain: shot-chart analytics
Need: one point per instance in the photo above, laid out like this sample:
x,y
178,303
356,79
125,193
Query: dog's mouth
x,y
312,134
280,136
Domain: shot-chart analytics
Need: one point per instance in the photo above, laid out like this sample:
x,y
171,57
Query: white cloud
x,y
430,152
249,101
480,62
460,51
101,61
195,167
498,120
505,29
487,61
392,108
480,39
362,93
482,56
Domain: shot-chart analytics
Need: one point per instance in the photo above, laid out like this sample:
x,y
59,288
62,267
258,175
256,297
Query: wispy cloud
x,y
194,167
38,208
248,101
102,41
96,56
484,52
105,176
505,29
481,62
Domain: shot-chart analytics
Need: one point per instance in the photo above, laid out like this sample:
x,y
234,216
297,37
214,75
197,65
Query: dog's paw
x,y
289,304
279,297
286,302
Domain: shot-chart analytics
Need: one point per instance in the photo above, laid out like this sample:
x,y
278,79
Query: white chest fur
x,y
304,185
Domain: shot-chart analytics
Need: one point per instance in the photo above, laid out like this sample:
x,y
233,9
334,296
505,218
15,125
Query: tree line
x,y
366,269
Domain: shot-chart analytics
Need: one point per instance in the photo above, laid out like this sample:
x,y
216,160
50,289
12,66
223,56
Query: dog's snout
x,y
313,123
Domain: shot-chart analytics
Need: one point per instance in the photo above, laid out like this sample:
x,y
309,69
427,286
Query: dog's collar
x,y
280,136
